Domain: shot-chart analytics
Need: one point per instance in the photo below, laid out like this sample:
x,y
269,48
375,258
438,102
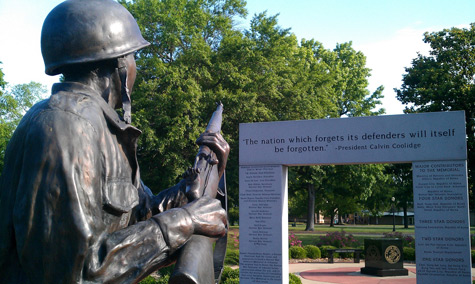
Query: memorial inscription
x,y
441,221
398,138
260,201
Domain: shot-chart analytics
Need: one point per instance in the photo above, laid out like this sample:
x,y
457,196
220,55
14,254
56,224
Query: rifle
x,y
195,258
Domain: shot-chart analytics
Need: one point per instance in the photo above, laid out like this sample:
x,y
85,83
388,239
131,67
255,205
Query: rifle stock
x,y
195,259
195,262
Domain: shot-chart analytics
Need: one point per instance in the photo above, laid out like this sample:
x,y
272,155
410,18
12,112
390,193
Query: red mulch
x,y
352,275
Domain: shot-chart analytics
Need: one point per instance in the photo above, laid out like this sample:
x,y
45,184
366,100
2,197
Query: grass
x,y
313,239
359,232
353,229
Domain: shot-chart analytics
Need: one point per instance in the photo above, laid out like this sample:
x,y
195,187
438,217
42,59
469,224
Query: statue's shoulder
x,y
78,103
62,112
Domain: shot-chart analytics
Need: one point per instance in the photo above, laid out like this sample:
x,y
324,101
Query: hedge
x,y
409,253
324,252
313,252
296,252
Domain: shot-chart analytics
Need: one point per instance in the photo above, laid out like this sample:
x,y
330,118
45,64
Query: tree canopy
x,y
2,82
14,102
444,80
197,58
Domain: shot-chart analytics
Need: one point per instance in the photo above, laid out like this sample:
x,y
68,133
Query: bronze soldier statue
x,y
73,208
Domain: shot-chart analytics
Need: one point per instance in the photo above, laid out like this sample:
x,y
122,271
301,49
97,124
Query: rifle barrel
x,y
216,120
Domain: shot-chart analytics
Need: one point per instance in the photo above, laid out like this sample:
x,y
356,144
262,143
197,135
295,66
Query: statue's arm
x,y
189,187
151,204
167,199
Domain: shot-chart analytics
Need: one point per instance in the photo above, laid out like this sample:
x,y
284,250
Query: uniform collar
x,y
112,116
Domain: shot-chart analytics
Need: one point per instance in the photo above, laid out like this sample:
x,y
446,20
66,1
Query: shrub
x,y
166,271
346,254
163,280
294,279
313,252
233,239
407,240
362,254
233,216
230,276
294,241
148,280
338,240
473,257
324,253
297,252
409,253
231,281
232,257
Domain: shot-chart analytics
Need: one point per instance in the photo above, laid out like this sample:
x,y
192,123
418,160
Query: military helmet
x,y
81,31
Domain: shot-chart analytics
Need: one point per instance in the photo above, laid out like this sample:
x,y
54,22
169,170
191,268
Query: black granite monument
x,y
384,257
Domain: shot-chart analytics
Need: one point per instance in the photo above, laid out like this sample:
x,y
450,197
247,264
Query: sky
x,y
388,32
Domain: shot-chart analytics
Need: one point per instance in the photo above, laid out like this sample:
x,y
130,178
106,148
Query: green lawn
x,y
359,232
313,239
353,229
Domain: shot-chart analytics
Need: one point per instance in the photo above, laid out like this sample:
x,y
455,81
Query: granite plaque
x,y
442,222
263,231
373,139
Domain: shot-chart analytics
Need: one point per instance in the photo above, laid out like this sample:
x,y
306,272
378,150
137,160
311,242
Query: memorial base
x,y
384,272
384,257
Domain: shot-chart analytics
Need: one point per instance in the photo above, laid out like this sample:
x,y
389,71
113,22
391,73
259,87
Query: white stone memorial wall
x,y
263,251
356,140
442,222
264,149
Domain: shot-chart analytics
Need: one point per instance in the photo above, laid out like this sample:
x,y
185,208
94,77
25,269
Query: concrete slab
x,y
347,273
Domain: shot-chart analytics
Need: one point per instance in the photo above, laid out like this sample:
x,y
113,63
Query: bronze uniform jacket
x,y
72,206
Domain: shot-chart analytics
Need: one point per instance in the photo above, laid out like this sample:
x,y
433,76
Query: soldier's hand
x,y
218,145
208,217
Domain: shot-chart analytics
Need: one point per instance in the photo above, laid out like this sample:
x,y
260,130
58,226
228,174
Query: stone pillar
x,y
263,224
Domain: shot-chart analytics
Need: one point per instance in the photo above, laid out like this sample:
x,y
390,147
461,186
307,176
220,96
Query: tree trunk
x,y
332,216
406,219
311,208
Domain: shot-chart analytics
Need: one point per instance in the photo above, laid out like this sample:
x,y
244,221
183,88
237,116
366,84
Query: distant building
x,y
361,218
387,218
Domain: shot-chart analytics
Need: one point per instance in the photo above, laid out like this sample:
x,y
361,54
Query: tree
x,y
13,105
402,189
347,189
197,58
444,80
306,183
174,95
260,75
267,76
2,82
349,90
5,129
347,93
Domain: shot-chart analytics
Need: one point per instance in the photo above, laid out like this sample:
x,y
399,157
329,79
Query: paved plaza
x,y
347,273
